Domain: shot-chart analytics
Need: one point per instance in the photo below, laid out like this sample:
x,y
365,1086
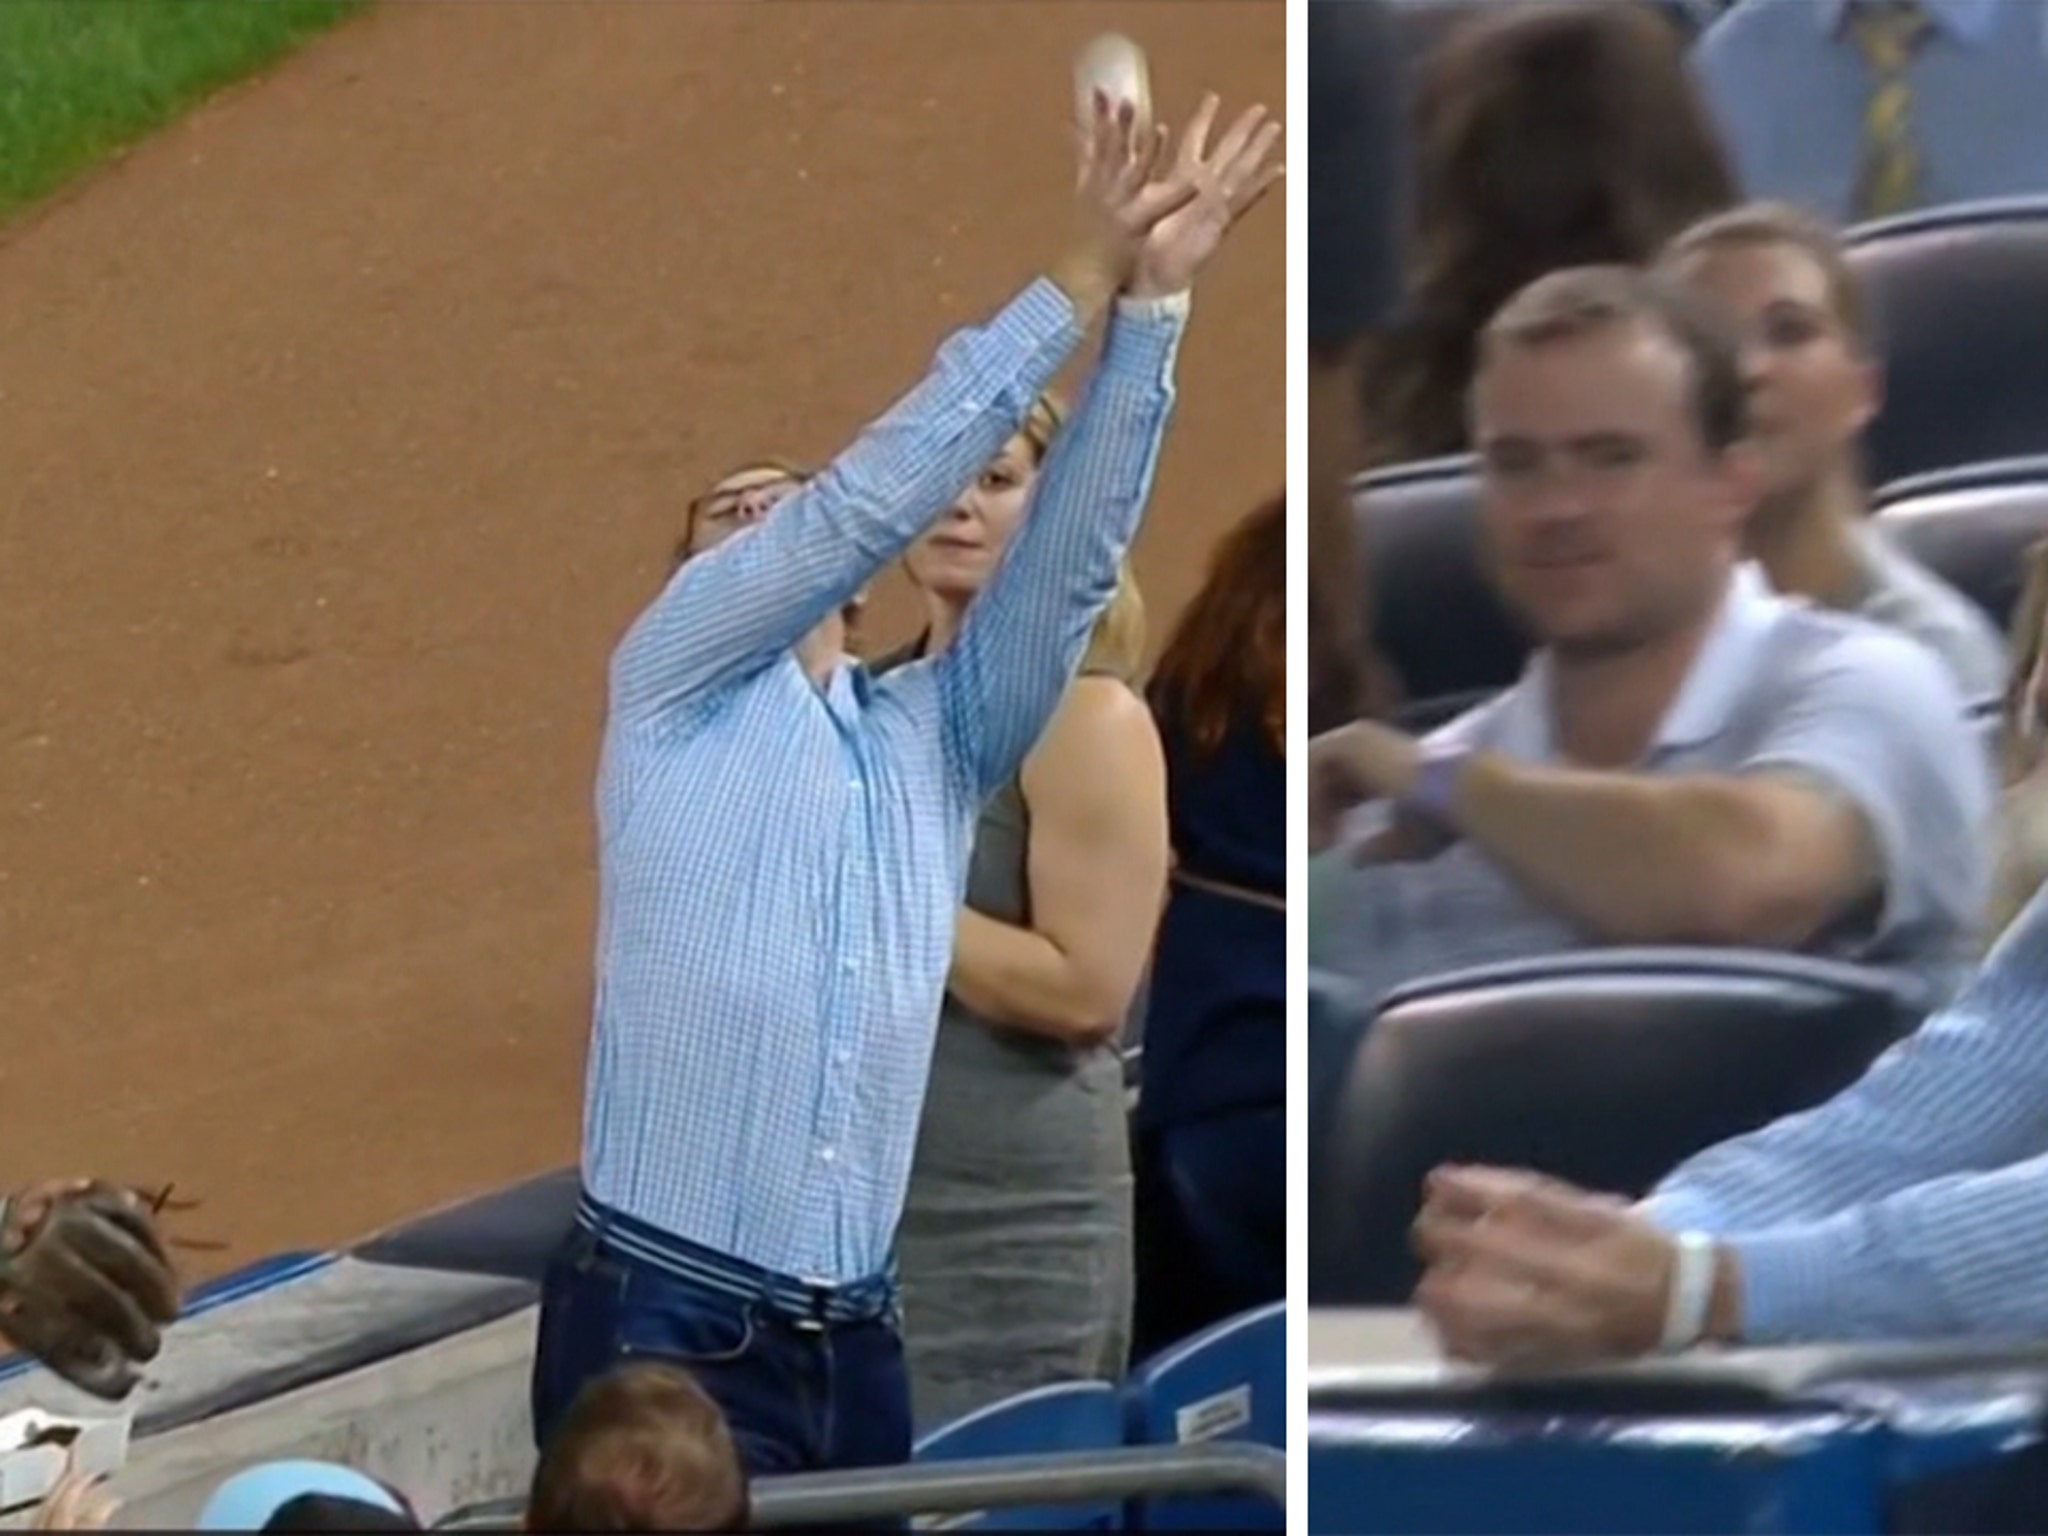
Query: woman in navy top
x,y
1212,1117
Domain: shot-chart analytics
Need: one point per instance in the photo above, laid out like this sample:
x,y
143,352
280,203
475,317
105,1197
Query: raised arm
x,y
1017,650
1004,675
741,606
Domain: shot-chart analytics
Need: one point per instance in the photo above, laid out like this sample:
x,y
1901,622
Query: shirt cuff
x,y
1791,1282
1143,343
1043,309
1167,306
1672,1210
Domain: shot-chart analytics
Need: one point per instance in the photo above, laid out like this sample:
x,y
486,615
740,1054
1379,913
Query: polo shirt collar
x,y
1722,673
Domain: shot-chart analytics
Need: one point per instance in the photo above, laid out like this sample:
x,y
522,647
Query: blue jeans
x,y
799,1396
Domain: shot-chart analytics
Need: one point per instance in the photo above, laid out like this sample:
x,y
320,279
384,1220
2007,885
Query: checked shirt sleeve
x,y
1966,1091
1022,640
1957,1257
739,608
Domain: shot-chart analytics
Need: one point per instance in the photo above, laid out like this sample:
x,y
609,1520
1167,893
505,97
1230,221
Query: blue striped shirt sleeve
x,y
1954,1257
1967,1090
1000,681
740,607
1912,1204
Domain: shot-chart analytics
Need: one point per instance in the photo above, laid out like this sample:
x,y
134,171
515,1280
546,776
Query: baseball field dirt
x,y
346,425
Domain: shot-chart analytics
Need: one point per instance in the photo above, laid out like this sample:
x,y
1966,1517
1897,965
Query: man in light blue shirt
x,y
1912,1205
1791,88
783,840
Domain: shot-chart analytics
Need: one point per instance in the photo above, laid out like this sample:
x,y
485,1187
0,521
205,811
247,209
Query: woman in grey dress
x,y
1015,1246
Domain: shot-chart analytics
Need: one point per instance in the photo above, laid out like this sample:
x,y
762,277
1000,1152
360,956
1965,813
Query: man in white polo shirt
x,y
1689,758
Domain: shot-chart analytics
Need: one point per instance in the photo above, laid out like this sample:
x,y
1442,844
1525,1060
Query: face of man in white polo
x,y
1609,521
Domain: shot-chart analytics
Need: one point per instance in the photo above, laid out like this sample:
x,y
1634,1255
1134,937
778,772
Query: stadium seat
x,y
1434,611
1606,1068
1973,525
1069,1416
1228,1382
1960,298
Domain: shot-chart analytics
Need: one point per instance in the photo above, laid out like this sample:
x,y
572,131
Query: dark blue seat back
x,y
1960,298
1435,614
1973,526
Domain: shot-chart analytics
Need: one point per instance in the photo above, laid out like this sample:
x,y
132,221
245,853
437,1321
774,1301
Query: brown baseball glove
x,y
85,1283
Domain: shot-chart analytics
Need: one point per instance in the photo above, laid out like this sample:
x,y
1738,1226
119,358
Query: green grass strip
x,y
81,79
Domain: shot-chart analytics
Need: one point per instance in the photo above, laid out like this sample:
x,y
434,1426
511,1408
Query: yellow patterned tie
x,y
1888,32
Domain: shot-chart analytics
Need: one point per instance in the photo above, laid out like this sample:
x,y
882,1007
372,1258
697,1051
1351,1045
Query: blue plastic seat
x,y
1068,1416
1228,1382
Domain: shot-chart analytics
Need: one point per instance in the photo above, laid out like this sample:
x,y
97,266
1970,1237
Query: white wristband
x,y
1165,306
1692,1291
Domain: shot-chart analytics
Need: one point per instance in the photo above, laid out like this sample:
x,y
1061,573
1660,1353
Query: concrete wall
x,y
446,1423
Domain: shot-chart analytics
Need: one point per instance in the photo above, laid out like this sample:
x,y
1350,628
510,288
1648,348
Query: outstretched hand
x,y
1120,195
1220,187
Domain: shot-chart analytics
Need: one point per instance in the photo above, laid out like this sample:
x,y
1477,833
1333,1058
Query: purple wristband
x,y
1436,783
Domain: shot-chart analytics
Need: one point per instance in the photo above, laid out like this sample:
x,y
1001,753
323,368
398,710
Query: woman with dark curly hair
x,y
1549,135
1212,1117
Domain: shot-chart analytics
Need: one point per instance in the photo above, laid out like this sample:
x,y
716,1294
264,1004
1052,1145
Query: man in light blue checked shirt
x,y
784,837
1912,1205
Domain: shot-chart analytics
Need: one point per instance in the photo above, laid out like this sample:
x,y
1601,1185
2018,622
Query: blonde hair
x,y
1117,644
1779,224
1042,424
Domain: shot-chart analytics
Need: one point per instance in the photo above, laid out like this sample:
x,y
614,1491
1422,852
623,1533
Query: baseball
x,y
1114,65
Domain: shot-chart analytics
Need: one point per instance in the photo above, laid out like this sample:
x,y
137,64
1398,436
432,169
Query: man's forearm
x,y
759,593
1024,636
1631,858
